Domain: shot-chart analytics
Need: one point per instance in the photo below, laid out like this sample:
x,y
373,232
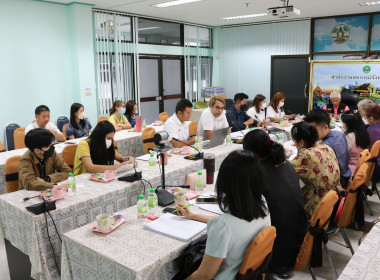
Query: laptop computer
x,y
217,138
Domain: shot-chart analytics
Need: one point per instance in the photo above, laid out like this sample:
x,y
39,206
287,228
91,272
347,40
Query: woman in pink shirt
x,y
335,107
356,135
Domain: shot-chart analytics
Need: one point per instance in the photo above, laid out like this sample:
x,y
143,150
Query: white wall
x,y
245,54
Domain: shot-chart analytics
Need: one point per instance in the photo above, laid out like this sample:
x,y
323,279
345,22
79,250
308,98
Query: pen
x,y
184,207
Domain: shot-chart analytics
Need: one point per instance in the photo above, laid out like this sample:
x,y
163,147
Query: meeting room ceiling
x,y
211,12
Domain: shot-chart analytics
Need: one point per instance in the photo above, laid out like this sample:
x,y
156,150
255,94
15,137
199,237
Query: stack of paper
x,y
177,227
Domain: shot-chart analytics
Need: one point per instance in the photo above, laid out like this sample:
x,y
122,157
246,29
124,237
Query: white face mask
x,y
81,116
263,106
281,104
365,121
108,143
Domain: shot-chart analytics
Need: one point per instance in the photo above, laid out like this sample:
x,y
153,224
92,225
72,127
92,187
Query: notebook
x,y
176,227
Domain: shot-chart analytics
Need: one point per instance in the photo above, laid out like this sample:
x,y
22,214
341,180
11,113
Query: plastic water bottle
x,y
144,124
196,146
152,162
71,185
142,208
152,201
228,140
333,121
89,132
282,122
199,182
280,140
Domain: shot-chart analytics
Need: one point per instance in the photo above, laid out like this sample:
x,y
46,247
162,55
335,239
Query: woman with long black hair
x,y
356,135
79,126
97,153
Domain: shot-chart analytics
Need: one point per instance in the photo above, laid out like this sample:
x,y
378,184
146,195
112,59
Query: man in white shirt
x,y
213,118
42,114
177,126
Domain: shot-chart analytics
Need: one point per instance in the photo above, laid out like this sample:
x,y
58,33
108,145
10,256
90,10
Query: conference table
x,y
365,263
28,232
128,142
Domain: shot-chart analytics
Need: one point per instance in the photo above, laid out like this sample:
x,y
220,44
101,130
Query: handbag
x,y
191,259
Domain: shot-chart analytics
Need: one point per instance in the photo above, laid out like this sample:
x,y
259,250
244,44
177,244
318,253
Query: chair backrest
x,y
19,138
364,157
64,130
193,126
102,119
373,162
349,204
11,173
61,121
163,117
259,249
9,130
2,147
323,213
68,155
148,138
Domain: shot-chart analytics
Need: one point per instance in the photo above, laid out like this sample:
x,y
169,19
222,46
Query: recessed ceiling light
x,y
174,3
246,16
372,3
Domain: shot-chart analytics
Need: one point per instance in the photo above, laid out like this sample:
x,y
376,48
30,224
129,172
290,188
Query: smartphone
x,y
169,210
206,200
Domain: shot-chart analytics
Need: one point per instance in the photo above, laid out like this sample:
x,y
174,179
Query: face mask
x,y
263,106
122,111
108,143
81,116
281,104
244,107
344,130
49,152
365,121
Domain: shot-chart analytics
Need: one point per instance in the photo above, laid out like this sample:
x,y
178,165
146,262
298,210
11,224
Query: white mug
x,y
104,222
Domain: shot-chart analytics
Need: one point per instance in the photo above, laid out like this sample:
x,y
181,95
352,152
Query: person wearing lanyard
x,y
41,167
335,107
117,117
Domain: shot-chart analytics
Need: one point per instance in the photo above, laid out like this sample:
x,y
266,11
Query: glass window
x,y
110,27
375,35
159,32
198,37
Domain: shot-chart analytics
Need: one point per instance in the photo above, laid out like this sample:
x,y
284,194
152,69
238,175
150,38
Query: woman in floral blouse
x,y
315,164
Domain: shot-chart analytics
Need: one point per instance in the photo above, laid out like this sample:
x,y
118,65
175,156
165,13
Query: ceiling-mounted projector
x,y
284,11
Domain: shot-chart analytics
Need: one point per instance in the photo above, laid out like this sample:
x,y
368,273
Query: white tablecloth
x,y
128,143
27,232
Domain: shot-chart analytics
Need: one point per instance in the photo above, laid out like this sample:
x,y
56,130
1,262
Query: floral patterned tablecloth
x,y
128,143
27,232
365,263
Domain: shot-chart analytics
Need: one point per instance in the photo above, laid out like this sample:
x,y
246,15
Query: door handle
x,y
304,91
158,98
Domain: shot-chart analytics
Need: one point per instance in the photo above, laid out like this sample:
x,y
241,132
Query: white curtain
x,y
198,61
115,59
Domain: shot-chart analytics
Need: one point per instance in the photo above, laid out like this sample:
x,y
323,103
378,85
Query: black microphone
x,y
132,177
27,198
198,156
180,186
233,123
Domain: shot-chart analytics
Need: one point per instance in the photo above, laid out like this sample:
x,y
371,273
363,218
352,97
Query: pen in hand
x,y
184,207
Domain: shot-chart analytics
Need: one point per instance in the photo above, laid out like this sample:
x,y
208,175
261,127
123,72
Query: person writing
x,y
42,114
177,126
97,153
283,194
257,110
335,107
237,117
130,112
79,126
275,110
117,117
245,215
212,118
41,167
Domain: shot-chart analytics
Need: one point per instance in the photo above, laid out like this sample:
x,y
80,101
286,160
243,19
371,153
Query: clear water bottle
x,y
196,146
282,122
152,201
142,208
71,185
152,163
199,182
333,121
144,124
280,140
228,140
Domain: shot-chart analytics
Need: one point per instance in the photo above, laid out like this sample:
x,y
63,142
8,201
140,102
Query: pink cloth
x,y
354,157
336,110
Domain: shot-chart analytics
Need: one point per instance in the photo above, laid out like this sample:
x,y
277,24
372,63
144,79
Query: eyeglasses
x,y
219,108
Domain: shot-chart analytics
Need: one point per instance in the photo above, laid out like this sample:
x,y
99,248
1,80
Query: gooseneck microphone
x,y
233,123
196,157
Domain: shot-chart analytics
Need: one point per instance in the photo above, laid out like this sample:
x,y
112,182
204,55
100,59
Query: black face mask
x,y
244,107
49,152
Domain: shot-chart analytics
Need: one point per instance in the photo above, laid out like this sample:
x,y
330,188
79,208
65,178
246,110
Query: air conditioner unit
x,y
284,11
